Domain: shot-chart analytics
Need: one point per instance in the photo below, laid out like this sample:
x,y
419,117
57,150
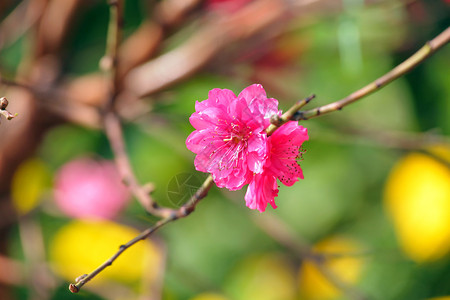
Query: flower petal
x,y
261,191
285,145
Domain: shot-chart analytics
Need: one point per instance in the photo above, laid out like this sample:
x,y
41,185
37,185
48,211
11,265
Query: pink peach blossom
x,y
284,150
231,143
230,139
85,188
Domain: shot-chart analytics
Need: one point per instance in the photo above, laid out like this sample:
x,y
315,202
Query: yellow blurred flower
x,y
417,197
440,298
209,296
29,182
81,246
262,277
345,266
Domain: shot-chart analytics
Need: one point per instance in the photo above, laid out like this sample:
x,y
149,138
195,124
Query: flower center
x,y
233,139
238,134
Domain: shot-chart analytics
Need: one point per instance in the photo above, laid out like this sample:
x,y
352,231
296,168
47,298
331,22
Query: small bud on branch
x,y
3,104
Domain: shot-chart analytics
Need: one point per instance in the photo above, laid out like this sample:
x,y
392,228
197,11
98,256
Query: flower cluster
x,y
231,143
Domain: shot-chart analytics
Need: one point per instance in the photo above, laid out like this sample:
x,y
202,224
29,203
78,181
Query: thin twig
x,y
182,212
109,62
403,68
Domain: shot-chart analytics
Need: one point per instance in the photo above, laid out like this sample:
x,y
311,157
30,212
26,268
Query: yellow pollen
x,y
234,139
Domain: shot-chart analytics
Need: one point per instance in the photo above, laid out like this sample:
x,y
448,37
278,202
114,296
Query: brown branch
x,y
215,34
73,111
111,121
12,272
54,25
114,132
19,21
110,61
182,212
403,68
41,280
288,115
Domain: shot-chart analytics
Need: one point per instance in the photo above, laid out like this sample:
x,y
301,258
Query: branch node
x,y
276,120
187,210
308,99
299,116
73,288
3,103
81,277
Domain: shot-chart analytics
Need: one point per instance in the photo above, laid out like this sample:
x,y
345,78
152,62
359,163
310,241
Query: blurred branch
x,y
110,61
390,139
114,132
11,271
20,20
215,34
170,13
403,68
407,141
283,234
54,25
139,47
111,120
73,111
40,280
182,212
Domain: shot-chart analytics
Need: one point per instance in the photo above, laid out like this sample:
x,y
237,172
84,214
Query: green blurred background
x,y
343,202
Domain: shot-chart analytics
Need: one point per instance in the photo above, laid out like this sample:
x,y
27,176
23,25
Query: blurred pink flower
x,y
86,188
230,139
283,151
